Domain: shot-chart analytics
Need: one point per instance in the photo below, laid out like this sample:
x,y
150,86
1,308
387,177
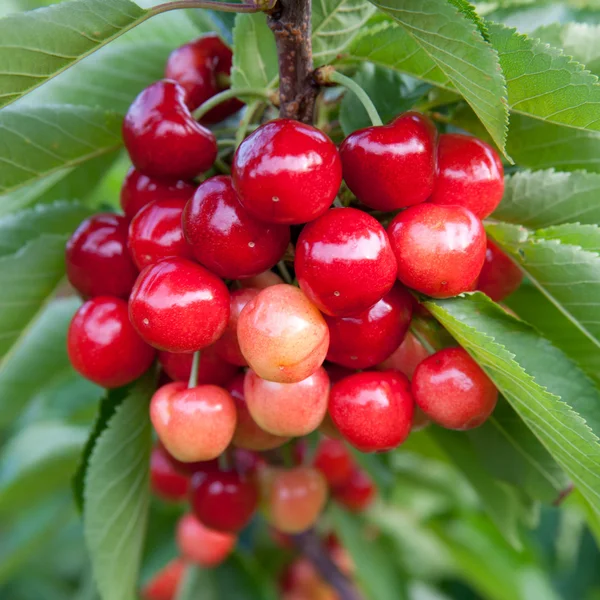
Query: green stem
x,y
229,95
193,381
282,268
226,142
258,6
245,122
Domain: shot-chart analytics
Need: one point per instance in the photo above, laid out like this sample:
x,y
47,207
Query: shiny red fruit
x,y
357,492
372,410
393,166
500,276
104,347
202,545
369,337
166,482
139,189
334,460
97,260
225,238
178,306
470,174
287,172
440,249
453,390
212,370
162,137
195,67
164,585
344,262
406,357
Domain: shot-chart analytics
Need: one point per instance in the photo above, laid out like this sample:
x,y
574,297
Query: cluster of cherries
x,y
250,362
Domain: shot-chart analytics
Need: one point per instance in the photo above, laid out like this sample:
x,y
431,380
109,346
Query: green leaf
x,y
117,495
242,577
468,10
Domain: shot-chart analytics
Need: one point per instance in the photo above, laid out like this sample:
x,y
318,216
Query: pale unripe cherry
x,y
194,424
261,281
288,409
201,545
407,356
282,335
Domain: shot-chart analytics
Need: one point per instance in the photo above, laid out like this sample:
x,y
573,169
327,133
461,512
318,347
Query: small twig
x,y
285,274
253,7
228,95
244,124
193,381
563,495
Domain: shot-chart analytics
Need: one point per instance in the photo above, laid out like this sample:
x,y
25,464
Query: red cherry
x,y
223,500
162,137
104,347
179,306
500,276
139,190
225,238
201,545
453,390
357,492
405,358
372,410
97,259
287,172
470,174
195,66
344,262
189,468
334,460
393,166
166,482
212,370
164,585
371,336
440,249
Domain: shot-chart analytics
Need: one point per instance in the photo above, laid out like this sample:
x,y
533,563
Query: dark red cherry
x,y
139,190
287,172
212,369
196,67
223,500
156,233
470,174
357,492
372,410
162,137
104,347
500,276
334,460
393,166
344,262
440,249
178,306
453,390
189,468
97,259
165,480
368,338
225,238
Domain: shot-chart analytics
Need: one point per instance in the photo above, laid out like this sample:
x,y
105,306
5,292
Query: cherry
x,y
196,66
393,166
165,480
470,174
189,468
371,336
453,390
328,428
334,461
282,335
287,409
440,249
104,347
405,358
300,581
357,492
372,410
179,306
139,190
194,424
500,276
225,238
202,545
344,262
247,433
223,500
97,259
287,172
261,281
162,137
164,585
420,420
212,369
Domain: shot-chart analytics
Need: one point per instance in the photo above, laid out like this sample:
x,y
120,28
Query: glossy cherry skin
x,y
453,390
212,370
162,137
500,276
393,166
165,480
104,347
195,67
470,174
334,461
193,424
372,410
97,259
225,238
440,249
344,262
287,409
178,306
282,334
202,545
287,172
248,434
164,585
406,357
357,492
139,189
369,337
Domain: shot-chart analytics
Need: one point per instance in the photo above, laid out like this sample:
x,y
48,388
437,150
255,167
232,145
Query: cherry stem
x,y
283,270
564,494
252,7
193,381
229,95
245,122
